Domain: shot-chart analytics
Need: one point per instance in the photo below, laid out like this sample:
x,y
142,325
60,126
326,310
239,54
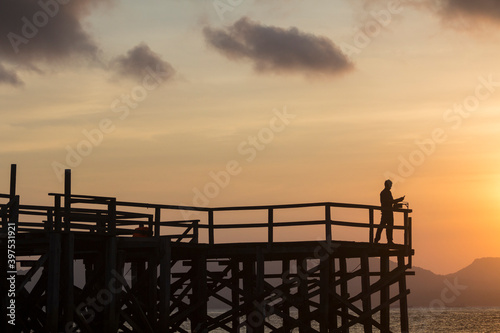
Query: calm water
x,y
451,320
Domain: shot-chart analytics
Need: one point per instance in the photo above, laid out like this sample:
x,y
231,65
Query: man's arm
x,y
399,199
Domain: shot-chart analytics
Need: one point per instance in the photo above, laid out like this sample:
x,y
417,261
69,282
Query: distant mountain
x,y
475,285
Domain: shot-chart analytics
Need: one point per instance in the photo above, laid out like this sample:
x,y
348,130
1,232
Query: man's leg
x,y
390,225
379,229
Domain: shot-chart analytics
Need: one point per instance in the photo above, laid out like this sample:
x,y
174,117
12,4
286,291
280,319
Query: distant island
x,y
476,285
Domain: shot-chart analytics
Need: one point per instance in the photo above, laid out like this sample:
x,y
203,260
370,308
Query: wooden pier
x,y
166,268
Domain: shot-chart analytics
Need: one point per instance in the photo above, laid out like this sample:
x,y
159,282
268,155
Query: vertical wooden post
x,y
344,293
324,297
157,222
199,298
365,285
109,274
235,296
328,223
410,244
371,226
57,214
285,266
13,177
67,200
67,270
270,222
152,276
211,239
165,272
54,271
248,290
406,233
403,301
303,290
112,217
384,292
333,301
259,291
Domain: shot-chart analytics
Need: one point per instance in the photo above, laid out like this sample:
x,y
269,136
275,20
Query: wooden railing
x,y
106,215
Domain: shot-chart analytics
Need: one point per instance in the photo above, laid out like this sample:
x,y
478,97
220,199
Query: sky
x,y
294,101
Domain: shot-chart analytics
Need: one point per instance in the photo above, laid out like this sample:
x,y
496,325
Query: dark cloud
x,y
278,50
473,8
9,77
45,31
138,61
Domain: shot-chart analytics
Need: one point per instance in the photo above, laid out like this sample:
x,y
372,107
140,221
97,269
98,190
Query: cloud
x,y
489,9
9,77
278,50
47,31
137,60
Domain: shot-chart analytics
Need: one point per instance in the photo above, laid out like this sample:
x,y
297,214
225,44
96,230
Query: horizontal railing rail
x,y
86,213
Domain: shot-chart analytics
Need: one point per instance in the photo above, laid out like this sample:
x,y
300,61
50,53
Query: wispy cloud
x,y
9,77
137,60
278,50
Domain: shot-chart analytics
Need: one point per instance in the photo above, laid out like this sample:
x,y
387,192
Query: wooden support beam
x,y
303,290
403,301
199,297
344,293
67,270
13,178
67,200
235,295
365,287
165,282
324,298
110,272
54,271
384,292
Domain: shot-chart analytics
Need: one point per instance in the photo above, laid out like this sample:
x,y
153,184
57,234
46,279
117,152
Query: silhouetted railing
x,y
106,215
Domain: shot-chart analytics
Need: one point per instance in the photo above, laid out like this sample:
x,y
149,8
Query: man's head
x,y
388,184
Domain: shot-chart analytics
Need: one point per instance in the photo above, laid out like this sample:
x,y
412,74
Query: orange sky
x,y
314,103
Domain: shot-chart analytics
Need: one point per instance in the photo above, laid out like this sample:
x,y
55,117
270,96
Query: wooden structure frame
x,y
157,280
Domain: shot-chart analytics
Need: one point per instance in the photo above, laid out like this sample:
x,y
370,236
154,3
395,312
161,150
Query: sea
x,y
427,320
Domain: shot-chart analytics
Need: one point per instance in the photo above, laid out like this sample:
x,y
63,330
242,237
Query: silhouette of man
x,y
387,220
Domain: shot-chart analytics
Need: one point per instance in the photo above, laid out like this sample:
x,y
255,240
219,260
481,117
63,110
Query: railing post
x,y
406,243
157,221
328,223
410,241
112,217
67,200
371,226
270,223
57,213
211,227
13,173
195,231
